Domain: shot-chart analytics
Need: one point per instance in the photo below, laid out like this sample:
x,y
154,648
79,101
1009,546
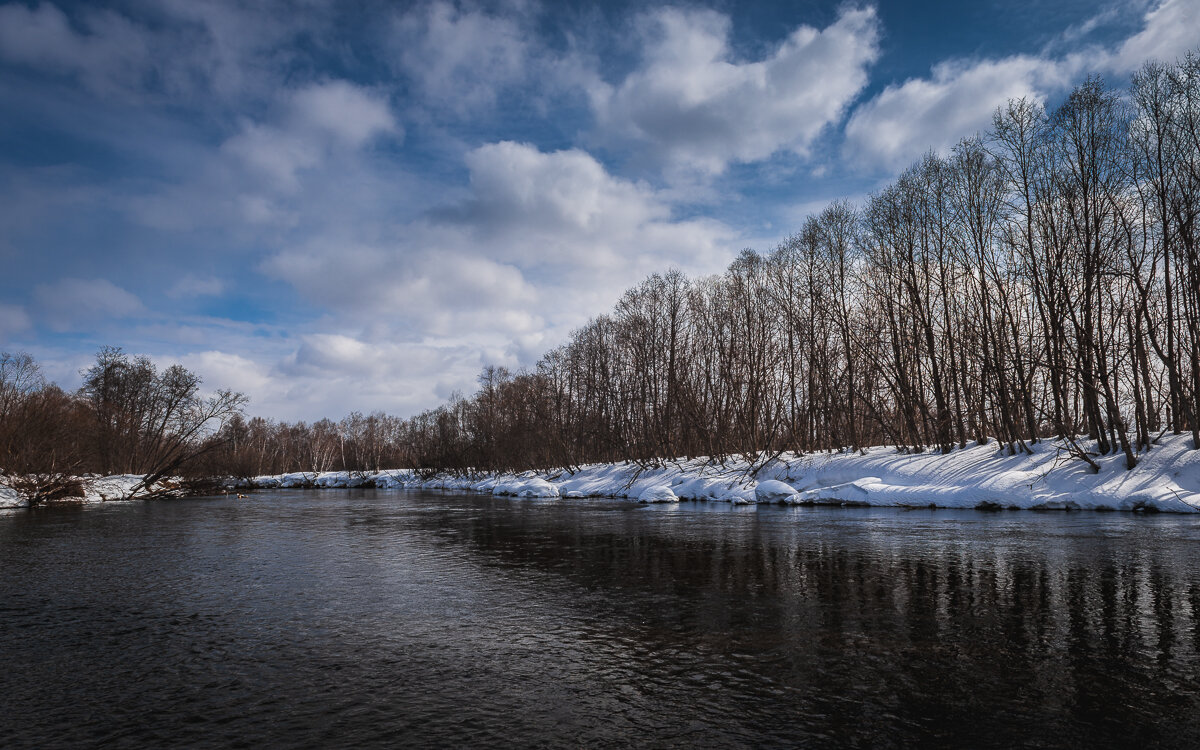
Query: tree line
x,y
1042,280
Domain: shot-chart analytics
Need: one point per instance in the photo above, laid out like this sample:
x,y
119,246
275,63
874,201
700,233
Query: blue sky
x,y
336,206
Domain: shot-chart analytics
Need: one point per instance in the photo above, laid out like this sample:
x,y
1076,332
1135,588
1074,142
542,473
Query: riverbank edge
x,y
112,488
1167,479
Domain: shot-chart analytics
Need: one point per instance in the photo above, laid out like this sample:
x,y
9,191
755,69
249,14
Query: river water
x,y
400,619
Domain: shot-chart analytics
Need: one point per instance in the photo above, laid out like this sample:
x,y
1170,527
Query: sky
x,y
334,206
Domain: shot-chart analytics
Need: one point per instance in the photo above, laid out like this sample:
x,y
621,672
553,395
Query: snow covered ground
x,y
1167,478
95,490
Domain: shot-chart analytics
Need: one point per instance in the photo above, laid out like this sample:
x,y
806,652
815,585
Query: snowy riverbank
x,y
1167,478
95,490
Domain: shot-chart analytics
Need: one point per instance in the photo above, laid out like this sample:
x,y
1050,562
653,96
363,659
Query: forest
x,y
1039,281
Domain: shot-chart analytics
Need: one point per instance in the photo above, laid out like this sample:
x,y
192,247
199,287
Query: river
x,y
375,618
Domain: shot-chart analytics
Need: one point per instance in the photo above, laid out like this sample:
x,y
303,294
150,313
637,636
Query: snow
x,y
95,490
526,487
774,491
658,494
1167,478
115,487
739,496
10,499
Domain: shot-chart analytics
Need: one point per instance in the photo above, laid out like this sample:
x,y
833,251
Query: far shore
x,y
1167,479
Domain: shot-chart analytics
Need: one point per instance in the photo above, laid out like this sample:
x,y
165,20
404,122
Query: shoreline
x,y
1166,479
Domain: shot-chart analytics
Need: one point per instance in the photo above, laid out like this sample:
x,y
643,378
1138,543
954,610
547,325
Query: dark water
x,y
369,618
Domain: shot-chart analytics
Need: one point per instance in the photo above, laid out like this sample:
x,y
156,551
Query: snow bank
x,y
10,499
1167,478
660,494
96,490
116,487
526,487
774,491
332,479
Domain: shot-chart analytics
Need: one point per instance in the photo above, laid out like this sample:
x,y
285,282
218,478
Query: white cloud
x,y
562,213
323,374
350,113
692,102
537,226
109,54
318,120
274,154
957,100
903,121
340,373
564,197
438,291
1171,29
71,304
220,370
460,59
187,47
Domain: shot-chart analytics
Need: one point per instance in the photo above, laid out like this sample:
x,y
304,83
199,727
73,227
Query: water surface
x,y
398,619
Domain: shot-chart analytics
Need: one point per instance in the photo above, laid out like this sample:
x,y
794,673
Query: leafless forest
x,y
1042,280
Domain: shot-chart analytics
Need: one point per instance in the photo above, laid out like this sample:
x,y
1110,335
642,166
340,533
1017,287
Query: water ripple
x,y
368,618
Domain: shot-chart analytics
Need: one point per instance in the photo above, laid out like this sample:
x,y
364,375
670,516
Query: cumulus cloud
x,y
957,100
69,304
348,113
1168,33
459,59
565,198
562,213
221,370
324,374
692,101
537,226
316,119
905,120
344,372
